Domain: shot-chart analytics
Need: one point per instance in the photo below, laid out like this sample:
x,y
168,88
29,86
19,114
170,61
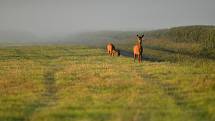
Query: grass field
x,y
69,83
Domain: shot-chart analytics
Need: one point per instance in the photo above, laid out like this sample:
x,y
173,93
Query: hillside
x,y
101,38
197,41
17,37
198,33
12,37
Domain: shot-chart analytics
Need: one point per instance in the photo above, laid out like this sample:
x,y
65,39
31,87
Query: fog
x,y
62,17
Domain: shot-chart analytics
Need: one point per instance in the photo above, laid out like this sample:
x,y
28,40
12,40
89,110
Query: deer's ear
x,y
143,35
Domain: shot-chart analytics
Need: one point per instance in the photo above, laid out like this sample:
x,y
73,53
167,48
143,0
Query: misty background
x,y
53,20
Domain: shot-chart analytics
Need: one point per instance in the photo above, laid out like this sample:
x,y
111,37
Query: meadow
x,y
79,83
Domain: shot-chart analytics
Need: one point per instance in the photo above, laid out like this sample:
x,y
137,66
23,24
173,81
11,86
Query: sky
x,y
71,16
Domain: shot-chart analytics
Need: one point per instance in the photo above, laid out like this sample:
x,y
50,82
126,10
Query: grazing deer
x,y
138,49
116,52
111,50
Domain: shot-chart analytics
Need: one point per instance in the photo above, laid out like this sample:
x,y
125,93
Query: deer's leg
x,y
109,52
134,57
139,58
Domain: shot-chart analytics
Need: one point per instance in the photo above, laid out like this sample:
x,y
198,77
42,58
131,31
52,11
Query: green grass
x,y
55,83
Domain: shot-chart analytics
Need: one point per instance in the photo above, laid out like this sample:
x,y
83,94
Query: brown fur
x,y
111,50
116,52
138,49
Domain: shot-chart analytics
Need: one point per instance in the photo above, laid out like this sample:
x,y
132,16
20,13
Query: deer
x,y
116,52
111,50
138,49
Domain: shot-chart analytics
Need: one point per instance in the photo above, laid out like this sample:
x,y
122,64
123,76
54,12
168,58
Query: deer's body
x,y
138,49
110,48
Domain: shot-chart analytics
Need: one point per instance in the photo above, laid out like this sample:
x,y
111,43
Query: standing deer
x,y
138,49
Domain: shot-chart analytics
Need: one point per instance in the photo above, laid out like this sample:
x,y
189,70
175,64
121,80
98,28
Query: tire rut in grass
x,y
179,96
50,88
48,98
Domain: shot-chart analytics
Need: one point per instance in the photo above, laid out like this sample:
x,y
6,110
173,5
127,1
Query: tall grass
x,y
55,83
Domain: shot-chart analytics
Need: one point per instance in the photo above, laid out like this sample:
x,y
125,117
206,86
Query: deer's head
x,y
140,38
